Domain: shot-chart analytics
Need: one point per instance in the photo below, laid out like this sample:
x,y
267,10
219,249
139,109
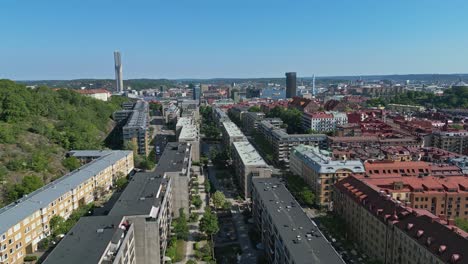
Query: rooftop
x,y
142,196
88,240
189,132
249,154
15,212
137,119
301,236
184,121
434,235
232,129
321,161
175,158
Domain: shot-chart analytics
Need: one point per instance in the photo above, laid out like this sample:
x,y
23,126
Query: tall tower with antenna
x,y
118,72
314,90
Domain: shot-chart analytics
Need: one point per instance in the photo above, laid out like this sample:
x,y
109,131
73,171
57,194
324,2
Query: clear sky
x,y
65,39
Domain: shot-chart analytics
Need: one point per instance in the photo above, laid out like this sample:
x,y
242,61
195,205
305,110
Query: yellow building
x,y
26,221
319,171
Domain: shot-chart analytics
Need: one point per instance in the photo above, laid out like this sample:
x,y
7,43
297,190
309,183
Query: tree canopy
x,y
291,117
456,97
53,122
209,222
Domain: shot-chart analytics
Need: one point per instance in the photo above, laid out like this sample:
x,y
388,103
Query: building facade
x,y
26,221
231,133
251,120
320,171
134,120
323,121
287,233
452,141
390,232
291,84
248,164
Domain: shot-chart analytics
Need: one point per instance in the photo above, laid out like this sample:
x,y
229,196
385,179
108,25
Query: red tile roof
x,y
427,229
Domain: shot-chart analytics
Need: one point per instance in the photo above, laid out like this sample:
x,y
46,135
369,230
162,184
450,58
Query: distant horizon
x,y
244,78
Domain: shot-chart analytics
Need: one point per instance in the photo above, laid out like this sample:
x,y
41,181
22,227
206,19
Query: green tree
x,y
71,163
255,108
181,228
57,225
209,223
227,205
197,201
121,182
218,199
39,162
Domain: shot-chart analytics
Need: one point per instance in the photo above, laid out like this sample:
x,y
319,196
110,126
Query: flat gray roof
x,y
249,154
232,129
140,195
299,234
83,244
189,132
175,158
16,212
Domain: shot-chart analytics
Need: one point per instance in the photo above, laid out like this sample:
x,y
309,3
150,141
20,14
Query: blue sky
x,y
49,39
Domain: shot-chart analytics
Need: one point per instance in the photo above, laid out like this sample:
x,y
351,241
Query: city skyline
x,y
232,39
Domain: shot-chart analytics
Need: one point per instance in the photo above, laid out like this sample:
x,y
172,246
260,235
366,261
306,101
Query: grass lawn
x,y
180,250
176,250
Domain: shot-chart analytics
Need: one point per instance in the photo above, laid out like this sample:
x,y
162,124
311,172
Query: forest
x,y
38,126
456,97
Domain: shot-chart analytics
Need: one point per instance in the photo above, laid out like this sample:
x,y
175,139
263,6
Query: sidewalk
x,y
193,227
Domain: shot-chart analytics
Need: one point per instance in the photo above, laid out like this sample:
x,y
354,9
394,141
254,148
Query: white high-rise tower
x,y
118,72
314,91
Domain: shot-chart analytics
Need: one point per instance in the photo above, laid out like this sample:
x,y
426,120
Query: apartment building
x,y
283,143
320,171
134,122
136,131
445,197
185,120
452,141
251,120
136,229
148,203
238,112
171,113
287,233
389,168
187,131
97,239
390,232
323,121
188,108
267,125
26,221
190,134
176,162
373,141
231,133
248,164
405,108
219,116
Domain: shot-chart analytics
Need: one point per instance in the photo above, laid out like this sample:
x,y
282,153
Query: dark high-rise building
x,y
291,84
195,92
